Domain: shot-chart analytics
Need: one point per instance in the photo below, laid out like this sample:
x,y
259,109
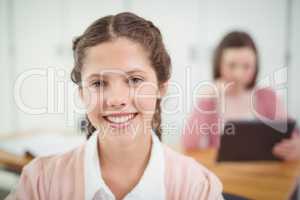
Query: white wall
x,y
44,31
5,74
294,72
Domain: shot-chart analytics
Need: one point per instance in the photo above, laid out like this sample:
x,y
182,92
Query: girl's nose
x,y
117,97
116,102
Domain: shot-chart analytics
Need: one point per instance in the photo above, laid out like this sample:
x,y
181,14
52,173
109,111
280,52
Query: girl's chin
x,y
128,129
125,135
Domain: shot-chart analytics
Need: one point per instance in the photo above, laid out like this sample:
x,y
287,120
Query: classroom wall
x,y
6,61
38,34
294,72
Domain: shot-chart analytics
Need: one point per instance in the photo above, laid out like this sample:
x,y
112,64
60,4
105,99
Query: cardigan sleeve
x,y
202,127
31,185
270,106
52,177
185,178
205,184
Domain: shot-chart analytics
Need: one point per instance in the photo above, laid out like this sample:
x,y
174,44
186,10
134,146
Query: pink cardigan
x,y
265,105
62,177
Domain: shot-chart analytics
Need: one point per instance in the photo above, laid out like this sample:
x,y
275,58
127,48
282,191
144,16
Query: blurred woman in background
x,y
233,96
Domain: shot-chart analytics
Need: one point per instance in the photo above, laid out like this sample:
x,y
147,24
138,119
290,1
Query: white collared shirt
x,y
150,186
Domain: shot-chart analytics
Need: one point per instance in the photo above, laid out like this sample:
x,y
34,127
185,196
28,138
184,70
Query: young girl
x,y
122,69
235,68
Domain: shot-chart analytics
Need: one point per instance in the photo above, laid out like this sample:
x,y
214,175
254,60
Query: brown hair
x,y
234,39
136,29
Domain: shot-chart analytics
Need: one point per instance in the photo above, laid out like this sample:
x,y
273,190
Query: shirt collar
x,y
150,186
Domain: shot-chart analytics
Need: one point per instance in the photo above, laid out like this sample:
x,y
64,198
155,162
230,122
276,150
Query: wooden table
x,y
13,162
263,180
16,163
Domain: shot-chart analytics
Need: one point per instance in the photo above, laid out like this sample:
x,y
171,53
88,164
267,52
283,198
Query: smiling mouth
x,y
121,120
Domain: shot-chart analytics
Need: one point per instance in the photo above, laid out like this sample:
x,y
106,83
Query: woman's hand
x,y
288,149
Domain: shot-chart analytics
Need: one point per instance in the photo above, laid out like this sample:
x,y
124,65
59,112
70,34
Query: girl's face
x,y
238,65
120,88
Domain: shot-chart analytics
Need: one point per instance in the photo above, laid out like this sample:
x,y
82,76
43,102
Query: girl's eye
x,y
135,81
98,84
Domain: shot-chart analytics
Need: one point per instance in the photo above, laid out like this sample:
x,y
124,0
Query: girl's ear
x,y
163,89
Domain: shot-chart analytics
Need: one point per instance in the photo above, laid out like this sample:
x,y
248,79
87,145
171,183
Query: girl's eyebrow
x,y
134,71
93,76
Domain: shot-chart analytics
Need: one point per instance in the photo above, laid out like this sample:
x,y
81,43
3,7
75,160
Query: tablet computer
x,y
252,140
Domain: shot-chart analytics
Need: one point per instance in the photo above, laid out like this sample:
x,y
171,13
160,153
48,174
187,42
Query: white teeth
x,y
120,119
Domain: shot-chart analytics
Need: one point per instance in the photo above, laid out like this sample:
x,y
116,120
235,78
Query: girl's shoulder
x,y
49,163
52,175
186,178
